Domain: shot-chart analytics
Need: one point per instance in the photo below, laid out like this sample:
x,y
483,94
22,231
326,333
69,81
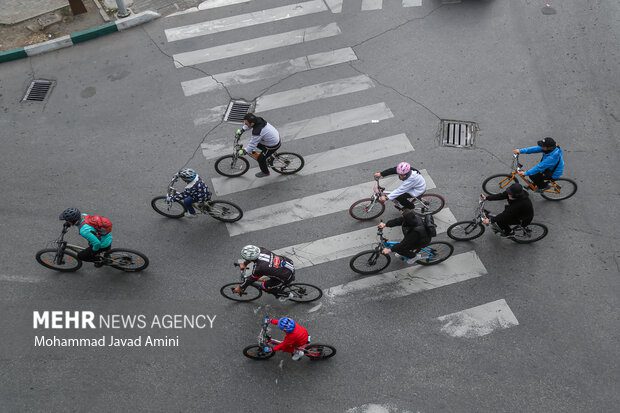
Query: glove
x,y
266,349
238,133
241,152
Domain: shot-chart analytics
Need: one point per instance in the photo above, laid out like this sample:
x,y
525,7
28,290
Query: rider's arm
x,y
415,185
531,149
254,141
388,172
396,222
88,232
548,162
497,197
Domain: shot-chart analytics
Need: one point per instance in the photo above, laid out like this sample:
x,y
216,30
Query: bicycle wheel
x,y
560,189
303,293
434,204
70,261
287,163
495,184
320,351
224,211
126,260
369,262
231,166
167,209
256,353
532,233
435,252
250,294
465,230
366,209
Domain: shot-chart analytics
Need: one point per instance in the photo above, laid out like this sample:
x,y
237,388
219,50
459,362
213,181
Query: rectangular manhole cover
x,y
457,133
38,90
236,110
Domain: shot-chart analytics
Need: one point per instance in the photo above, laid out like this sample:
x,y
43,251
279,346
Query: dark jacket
x,y
414,231
519,211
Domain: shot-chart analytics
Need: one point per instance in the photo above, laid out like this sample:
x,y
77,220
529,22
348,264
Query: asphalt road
x,y
117,125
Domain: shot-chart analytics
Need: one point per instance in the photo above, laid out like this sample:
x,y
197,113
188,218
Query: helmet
x,y
187,174
250,252
516,190
250,117
286,324
403,168
71,215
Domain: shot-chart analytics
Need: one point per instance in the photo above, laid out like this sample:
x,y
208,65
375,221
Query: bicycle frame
x,y
199,206
63,245
379,191
264,339
245,275
385,243
514,174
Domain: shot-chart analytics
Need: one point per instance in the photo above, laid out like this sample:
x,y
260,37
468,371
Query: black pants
x,y
403,199
273,284
540,179
266,152
89,255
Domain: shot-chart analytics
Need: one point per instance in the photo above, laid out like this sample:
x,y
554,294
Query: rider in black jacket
x,y
519,210
415,233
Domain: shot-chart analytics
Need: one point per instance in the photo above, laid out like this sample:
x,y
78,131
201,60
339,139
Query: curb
x,y
78,37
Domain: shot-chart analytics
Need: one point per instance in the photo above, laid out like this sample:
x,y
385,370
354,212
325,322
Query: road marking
x,y
412,3
332,122
244,47
253,74
345,245
479,321
372,4
208,4
334,5
244,20
319,162
413,279
312,206
20,278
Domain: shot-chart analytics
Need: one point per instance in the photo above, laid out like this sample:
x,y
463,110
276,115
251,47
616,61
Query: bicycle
x,y
468,230
285,163
221,210
369,208
314,351
374,261
296,292
558,189
64,257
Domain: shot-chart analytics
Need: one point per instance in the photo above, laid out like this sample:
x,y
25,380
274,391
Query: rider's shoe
x,y
188,215
98,264
505,234
297,355
261,174
285,298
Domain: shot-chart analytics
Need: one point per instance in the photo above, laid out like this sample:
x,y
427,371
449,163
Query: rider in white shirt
x,y
413,184
264,137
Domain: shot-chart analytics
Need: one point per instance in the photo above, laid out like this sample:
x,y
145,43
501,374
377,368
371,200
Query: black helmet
x,y
71,215
250,117
516,190
547,142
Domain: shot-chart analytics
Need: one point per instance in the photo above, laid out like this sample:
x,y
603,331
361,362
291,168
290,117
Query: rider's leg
x,y
266,152
504,227
403,199
188,203
88,255
539,180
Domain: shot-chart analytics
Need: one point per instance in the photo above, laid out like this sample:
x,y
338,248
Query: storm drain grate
x,y
236,110
460,134
38,90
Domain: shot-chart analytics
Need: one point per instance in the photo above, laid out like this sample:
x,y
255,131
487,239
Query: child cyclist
x,y
296,336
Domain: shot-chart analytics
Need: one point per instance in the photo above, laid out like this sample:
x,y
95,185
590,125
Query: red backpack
x,y
101,224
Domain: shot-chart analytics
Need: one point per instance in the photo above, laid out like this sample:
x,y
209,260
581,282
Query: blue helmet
x,y
187,174
286,324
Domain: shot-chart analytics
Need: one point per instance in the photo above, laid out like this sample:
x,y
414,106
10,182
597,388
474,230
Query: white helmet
x,y
250,252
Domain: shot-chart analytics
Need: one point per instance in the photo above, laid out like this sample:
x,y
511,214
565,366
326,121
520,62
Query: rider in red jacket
x,y
296,335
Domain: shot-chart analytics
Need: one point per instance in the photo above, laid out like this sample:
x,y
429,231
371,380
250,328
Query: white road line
x,y
413,279
320,162
21,278
304,208
244,20
252,74
334,5
345,245
372,4
303,128
479,321
208,4
255,45
313,92
412,3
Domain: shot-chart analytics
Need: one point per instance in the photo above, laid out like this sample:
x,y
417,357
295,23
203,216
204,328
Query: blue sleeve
x,y
531,149
548,162
87,232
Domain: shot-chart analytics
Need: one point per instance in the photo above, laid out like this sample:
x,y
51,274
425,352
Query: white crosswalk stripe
x,y
335,6
479,321
372,4
209,4
412,3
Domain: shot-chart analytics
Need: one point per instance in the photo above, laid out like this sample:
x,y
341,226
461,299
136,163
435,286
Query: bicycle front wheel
x,y
231,166
69,263
366,209
287,163
224,211
431,204
250,294
256,353
369,262
496,184
167,209
560,189
319,351
126,260
532,233
303,293
435,252
465,230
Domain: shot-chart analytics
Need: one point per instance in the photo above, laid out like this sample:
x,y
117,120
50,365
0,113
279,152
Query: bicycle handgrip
x,y
236,264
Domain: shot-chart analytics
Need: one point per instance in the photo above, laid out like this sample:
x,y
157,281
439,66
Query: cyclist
x,y
98,241
519,210
296,336
413,184
264,137
280,270
551,165
195,191
416,235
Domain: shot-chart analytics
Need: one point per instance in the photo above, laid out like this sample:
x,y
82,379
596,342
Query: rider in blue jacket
x,y
551,166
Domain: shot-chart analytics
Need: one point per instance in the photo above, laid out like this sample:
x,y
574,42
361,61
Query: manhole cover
x,y
38,90
236,110
457,133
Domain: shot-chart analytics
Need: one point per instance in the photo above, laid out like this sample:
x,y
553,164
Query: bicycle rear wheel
x,y
250,294
560,189
435,252
369,262
256,353
366,209
532,233
287,163
224,211
47,258
433,204
303,293
319,351
167,209
126,260
496,184
465,230
231,166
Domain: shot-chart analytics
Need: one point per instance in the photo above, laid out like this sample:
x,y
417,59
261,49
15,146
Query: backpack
x,y
429,225
102,225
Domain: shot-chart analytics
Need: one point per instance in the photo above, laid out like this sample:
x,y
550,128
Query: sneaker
x,y
284,298
188,215
397,255
261,174
297,355
98,264
411,260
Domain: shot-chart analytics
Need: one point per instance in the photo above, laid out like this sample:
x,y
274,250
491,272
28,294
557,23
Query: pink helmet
x,y
403,168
